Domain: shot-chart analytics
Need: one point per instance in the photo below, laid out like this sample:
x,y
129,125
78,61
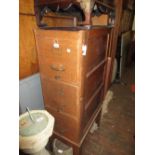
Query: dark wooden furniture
x,y
72,65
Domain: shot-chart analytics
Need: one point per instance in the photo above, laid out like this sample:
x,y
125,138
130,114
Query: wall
x,y
29,86
28,62
30,93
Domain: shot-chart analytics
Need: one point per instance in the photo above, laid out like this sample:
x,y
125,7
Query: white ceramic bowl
x,y
32,143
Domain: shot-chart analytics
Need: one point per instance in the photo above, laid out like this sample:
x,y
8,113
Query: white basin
x,y
34,131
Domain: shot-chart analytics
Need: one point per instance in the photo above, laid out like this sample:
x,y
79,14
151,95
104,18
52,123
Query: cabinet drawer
x,y
65,126
63,50
93,80
60,96
57,70
58,54
93,103
97,49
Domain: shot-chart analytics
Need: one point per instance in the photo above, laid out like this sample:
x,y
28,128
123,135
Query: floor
x,y
115,135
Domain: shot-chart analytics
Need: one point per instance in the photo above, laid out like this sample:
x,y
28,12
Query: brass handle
x,y
57,77
58,68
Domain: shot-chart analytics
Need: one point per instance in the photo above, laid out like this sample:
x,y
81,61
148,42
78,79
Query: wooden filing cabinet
x,y
72,65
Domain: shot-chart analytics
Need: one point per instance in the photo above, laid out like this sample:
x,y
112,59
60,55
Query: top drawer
x,y
97,48
58,54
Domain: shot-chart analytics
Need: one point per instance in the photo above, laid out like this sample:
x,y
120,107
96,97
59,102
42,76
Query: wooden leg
x,y
77,150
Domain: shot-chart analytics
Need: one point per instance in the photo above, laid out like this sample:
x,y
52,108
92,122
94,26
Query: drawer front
x,y
58,70
60,97
65,126
93,80
59,49
58,55
97,49
93,103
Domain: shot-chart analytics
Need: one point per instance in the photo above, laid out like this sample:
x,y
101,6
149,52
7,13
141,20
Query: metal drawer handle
x,y
58,68
57,77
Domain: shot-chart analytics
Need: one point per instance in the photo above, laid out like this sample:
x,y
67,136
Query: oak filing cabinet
x,y
72,63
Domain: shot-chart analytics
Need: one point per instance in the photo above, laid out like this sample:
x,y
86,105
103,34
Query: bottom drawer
x,y
93,103
65,126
